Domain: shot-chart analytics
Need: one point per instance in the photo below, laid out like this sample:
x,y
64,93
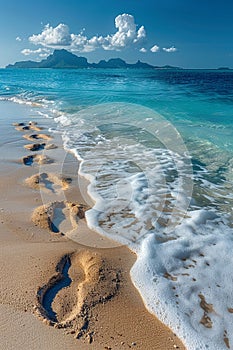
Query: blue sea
x,y
157,149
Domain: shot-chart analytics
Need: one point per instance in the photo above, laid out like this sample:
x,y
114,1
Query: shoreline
x,y
31,253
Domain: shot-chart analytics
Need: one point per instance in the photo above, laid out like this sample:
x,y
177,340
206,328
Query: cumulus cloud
x,y
18,38
155,48
125,36
52,37
143,50
42,52
141,34
170,49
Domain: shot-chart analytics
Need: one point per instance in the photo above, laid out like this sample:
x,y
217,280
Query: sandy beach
x,y
98,307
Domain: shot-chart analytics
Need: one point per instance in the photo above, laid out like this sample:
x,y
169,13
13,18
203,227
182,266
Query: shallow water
x,y
157,149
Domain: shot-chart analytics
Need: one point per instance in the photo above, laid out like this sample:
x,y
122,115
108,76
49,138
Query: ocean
x,y
157,149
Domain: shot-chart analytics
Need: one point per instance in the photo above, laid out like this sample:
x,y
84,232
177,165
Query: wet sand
x,y
41,208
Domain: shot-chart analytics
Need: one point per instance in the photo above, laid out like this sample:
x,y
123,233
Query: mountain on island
x,y
224,68
119,63
65,59
59,59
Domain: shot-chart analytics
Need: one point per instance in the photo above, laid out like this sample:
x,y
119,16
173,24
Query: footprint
x,y
29,127
40,159
89,280
34,137
22,128
25,127
40,136
59,217
18,124
35,147
47,293
48,182
28,160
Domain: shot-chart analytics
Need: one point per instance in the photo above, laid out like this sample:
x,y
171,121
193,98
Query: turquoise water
x,y
198,103
197,99
157,148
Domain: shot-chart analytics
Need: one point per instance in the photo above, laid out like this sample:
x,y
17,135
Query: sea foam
x,y
187,278
143,197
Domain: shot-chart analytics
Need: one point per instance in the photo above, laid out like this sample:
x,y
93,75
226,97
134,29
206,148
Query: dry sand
x,y
100,309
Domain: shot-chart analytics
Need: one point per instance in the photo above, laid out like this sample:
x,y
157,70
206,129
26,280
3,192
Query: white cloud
x,y
42,52
18,38
143,50
26,52
155,48
78,41
127,34
141,34
43,55
60,36
170,49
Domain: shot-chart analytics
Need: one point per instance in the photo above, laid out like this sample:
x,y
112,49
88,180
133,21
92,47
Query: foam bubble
x,y
175,274
140,193
64,120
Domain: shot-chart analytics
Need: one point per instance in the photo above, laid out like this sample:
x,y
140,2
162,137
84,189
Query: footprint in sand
x,y
82,281
18,124
39,146
48,182
25,127
47,293
35,147
40,159
34,137
28,127
59,217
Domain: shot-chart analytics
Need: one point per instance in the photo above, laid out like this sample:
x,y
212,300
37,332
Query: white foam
x,y
30,100
199,256
64,120
20,101
140,197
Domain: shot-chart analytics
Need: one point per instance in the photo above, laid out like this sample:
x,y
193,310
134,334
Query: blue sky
x,y
187,33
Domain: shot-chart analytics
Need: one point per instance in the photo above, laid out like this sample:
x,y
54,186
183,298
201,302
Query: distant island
x,y
61,59
224,68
